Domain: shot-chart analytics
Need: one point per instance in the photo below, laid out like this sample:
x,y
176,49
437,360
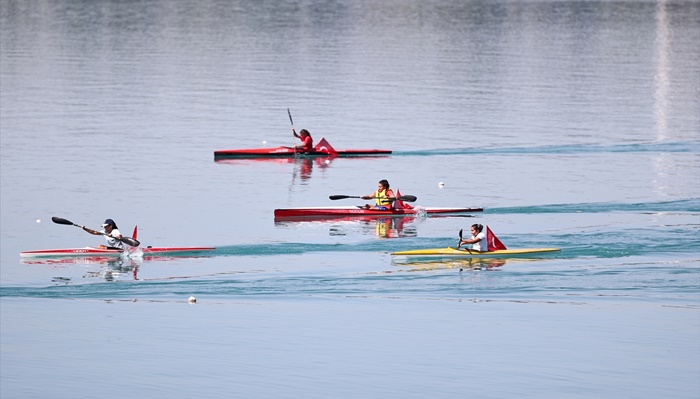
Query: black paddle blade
x,y
337,197
59,220
129,241
407,198
460,234
290,116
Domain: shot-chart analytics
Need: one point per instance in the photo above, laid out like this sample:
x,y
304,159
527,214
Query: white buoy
x,y
264,142
441,184
192,300
38,220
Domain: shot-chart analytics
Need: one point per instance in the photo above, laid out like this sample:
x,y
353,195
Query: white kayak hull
x,y
92,251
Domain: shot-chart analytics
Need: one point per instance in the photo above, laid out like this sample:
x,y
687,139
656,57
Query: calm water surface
x,y
574,124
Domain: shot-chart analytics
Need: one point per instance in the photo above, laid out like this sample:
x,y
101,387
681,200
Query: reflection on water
x,y
113,271
67,261
382,227
394,227
462,264
662,79
303,166
435,263
109,268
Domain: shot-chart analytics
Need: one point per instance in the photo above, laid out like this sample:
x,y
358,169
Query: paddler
x,y
383,197
110,232
307,143
477,240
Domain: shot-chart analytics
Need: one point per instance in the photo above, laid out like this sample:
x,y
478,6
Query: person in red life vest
x,y
383,197
307,143
477,240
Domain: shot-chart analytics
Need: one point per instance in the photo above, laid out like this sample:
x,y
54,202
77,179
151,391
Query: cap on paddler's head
x,y
109,222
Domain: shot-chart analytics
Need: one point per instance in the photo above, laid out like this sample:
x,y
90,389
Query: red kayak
x,y
345,211
91,251
322,149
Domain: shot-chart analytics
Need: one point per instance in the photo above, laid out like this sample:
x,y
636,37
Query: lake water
x,y
574,124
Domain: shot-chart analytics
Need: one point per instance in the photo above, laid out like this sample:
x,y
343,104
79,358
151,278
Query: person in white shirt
x,y
111,233
477,240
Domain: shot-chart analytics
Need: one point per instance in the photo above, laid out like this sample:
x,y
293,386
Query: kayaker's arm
x,y
97,233
468,241
91,231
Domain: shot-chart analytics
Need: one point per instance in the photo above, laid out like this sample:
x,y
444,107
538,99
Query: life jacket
x,y
381,198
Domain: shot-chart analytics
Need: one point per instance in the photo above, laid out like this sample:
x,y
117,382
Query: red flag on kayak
x,y
325,146
493,242
398,204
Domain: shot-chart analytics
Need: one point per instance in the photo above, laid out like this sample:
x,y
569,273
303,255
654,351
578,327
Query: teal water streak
x,y
690,206
659,147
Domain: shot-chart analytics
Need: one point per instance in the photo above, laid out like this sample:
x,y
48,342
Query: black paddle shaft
x,y
407,198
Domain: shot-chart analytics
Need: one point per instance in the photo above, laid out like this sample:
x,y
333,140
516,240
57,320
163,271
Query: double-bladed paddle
x,y
125,240
407,198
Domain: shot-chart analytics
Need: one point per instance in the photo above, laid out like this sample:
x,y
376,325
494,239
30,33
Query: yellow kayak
x,y
467,253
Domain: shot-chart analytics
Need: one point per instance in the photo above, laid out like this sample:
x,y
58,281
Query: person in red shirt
x,y
307,143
